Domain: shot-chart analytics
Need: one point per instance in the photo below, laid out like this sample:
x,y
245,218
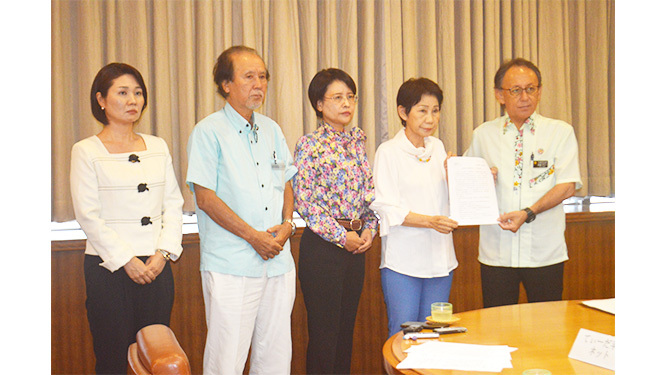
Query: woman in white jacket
x,y
127,201
411,199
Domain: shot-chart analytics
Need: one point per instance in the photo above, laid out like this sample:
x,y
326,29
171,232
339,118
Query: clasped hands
x,y
270,243
356,244
144,273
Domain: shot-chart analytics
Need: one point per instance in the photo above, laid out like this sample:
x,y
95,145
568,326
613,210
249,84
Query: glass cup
x,y
537,371
441,311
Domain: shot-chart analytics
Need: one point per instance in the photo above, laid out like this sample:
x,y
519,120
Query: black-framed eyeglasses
x,y
338,98
516,91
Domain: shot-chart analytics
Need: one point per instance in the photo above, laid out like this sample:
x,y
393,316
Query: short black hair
x,y
412,91
320,83
500,74
103,82
224,66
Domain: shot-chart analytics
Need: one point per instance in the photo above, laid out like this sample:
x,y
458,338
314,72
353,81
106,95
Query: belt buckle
x,y
356,224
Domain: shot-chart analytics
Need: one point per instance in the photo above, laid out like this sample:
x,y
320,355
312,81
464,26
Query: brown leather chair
x,y
157,352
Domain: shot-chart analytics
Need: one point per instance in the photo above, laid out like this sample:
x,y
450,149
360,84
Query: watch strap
x,y
292,224
166,255
531,215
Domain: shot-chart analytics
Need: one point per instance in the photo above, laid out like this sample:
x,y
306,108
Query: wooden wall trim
x,y
576,217
589,274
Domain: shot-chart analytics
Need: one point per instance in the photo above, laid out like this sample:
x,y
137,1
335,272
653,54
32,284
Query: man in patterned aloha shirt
x,y
535,160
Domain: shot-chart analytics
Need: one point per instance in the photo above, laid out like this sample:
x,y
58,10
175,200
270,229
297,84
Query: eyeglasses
x,y
338,98
516,91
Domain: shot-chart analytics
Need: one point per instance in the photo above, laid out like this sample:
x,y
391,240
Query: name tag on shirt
x,y
540,163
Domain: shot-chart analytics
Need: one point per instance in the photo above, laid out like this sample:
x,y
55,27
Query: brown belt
x,y
355,224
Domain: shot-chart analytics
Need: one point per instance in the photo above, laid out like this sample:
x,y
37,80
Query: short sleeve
x,y
203,158
567,162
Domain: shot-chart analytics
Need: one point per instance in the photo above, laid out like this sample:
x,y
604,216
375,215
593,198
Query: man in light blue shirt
x,y
239,168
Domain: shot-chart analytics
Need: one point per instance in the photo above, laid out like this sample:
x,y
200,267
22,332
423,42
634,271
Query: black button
x,y
257,163
262,185
142,187
134,159
145,221
266,208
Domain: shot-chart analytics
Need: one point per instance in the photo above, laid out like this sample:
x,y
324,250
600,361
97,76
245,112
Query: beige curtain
x,y
458,44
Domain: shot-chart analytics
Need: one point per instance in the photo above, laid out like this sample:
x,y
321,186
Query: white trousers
x,y
241,310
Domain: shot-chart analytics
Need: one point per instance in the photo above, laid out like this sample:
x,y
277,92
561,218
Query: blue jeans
x,y
409,298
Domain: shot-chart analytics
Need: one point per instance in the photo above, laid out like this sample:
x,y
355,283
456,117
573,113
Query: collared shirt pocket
x,y
278,172
543,171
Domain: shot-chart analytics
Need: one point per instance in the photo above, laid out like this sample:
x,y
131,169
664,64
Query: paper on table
x,y
472,191
595,348
453,356
606,305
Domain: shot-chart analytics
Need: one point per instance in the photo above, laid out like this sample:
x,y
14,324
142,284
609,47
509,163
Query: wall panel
x,y
589,274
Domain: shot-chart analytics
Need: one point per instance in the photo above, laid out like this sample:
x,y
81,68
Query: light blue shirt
x,y
248,170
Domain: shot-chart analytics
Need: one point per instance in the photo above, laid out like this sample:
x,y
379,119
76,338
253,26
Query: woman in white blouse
x,y
411,199
127,201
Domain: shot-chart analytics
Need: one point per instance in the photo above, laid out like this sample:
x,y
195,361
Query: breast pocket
x,y
278,174
543,172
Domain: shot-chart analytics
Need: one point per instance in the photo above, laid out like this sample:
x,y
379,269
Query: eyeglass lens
x,y
516,91
338,99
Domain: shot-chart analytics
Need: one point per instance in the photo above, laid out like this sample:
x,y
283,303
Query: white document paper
x,y
463,357
595,348
472,191
606,305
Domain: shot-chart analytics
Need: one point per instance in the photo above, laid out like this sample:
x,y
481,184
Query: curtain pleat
x,y
459,44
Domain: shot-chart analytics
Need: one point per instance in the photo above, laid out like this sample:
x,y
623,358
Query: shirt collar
x,y
238,121
353,134
529,123
422,154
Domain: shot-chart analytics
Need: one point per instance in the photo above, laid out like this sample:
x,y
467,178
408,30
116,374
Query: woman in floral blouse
x,y
333,190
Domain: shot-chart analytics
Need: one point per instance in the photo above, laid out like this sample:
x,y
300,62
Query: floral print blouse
x,y
334,181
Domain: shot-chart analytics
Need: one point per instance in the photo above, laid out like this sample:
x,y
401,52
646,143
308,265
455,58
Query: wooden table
x,y
542,332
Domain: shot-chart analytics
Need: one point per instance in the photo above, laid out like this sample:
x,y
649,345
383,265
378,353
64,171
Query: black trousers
x,y
500,285
118,308
331,280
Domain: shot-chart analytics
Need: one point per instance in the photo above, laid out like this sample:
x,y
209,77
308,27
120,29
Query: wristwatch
x,y
531,215
166,255
291,223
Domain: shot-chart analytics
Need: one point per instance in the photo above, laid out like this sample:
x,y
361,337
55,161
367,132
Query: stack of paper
x,y
463,357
